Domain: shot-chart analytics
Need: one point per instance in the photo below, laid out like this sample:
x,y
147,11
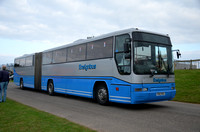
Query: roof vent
x,y
90,37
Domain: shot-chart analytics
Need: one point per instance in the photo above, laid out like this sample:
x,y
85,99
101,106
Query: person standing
x,y
4,80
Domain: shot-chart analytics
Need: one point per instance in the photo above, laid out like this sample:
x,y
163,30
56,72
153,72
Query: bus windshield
x,y
152,58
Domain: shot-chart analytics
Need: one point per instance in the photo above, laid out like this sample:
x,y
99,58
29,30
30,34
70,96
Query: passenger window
x,y
123,59
29,61
100,49
47,58
60,56
16,63
76,53
22,62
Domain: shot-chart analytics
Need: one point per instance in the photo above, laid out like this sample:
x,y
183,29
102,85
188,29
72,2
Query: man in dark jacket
x,y
4,80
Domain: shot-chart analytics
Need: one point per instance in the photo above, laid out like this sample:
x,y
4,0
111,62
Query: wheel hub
x,y
102,94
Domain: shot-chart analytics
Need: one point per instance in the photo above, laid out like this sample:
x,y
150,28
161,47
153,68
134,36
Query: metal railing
x,y
187,64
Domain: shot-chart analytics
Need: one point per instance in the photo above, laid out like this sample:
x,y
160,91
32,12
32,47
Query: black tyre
x,y
21,84
50,88
102,95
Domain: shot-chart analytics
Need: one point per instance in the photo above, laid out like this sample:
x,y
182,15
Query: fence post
x,y
190,64
174,65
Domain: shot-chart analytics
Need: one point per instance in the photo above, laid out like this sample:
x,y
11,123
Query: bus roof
x,y
82,41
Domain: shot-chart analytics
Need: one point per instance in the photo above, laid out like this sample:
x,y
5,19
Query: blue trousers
x,y
3,89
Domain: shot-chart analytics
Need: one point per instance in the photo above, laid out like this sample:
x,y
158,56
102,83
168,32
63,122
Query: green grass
x,y
15,117
187,86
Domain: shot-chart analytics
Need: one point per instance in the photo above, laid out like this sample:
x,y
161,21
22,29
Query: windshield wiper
x,y
152,72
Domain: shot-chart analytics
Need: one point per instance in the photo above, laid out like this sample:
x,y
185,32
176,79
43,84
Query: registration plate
x,y
160,94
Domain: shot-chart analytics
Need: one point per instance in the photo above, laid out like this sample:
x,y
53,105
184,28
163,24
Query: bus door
x,y
38,69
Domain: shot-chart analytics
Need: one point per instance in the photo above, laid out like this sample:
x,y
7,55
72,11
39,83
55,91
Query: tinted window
x,y
100,49
16,63
76,53
123,60
29,61
22,62
120,40
137,36
59,56
47,58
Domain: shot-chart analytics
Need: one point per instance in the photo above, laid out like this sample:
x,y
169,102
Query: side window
x,y
16,63
22,62
29,61
100,49
59,56
122,58
47,58
76,53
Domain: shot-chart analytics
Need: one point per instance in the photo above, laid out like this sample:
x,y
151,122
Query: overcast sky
x,y
28,26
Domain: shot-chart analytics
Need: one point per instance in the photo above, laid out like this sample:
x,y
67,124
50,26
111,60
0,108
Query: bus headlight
x,y
141,89
145,89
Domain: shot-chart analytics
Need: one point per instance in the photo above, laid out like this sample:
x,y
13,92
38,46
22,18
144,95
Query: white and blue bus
x,y
130,66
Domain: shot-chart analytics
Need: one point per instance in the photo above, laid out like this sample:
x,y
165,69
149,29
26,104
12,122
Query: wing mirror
x,y
178,54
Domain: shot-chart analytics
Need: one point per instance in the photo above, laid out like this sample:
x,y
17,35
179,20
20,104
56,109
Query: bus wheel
x,y
21,84
50,88
102,95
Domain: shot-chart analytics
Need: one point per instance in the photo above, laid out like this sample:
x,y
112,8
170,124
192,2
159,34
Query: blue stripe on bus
x,y
83,86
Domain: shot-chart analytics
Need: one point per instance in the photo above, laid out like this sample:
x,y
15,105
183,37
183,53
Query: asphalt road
x,y
166,116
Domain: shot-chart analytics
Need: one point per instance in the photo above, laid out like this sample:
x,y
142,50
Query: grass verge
x,y
187,86
16,117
